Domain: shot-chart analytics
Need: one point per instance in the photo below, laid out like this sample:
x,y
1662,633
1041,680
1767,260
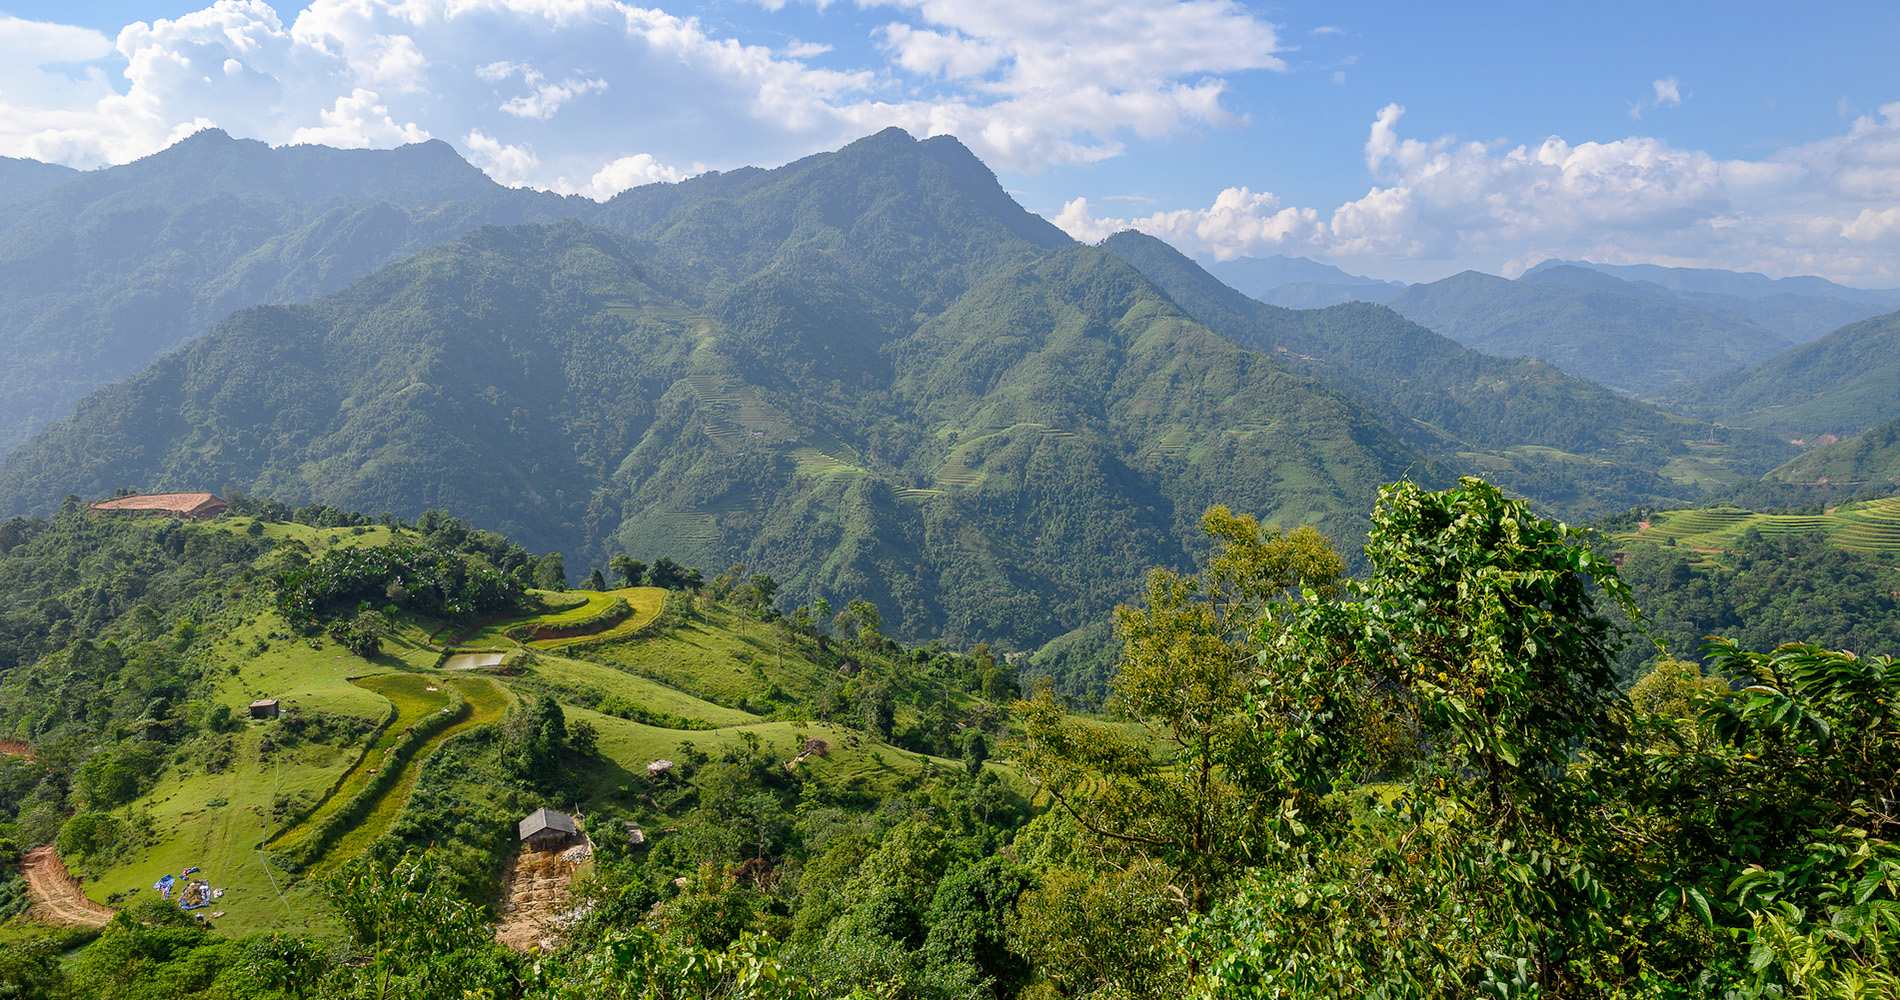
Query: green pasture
x,y
218,822
646,693
629,746
717,656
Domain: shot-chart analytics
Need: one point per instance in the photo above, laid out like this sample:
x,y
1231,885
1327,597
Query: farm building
x,y
265,708
545,830
184,506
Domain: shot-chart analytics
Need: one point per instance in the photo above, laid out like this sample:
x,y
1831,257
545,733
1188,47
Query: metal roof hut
x,y
264,708
545,829
184,506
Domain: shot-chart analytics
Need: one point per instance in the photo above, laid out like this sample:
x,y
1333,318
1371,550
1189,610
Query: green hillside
x,y
103,271
1841,385
144,762
1868,462
1570,445
791,806
1633,343
868,373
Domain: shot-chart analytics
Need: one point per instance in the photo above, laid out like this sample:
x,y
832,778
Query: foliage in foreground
x,y
1424,783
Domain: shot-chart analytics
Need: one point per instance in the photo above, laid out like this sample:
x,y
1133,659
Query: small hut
x,y
546,830
265,708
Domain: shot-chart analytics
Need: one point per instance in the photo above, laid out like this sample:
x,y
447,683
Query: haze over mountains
x,y
868,372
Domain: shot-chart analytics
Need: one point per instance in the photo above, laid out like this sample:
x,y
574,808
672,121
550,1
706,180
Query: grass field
x,y
1871,526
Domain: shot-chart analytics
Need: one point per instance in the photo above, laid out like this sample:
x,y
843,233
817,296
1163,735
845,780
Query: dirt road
x,y
56,896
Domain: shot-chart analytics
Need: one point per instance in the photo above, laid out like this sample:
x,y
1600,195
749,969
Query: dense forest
x,y
1428,779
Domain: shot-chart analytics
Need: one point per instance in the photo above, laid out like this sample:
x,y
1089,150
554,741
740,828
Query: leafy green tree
x,y
595,581
1184,793
417,938
631,571
1485,875
976,751
551,572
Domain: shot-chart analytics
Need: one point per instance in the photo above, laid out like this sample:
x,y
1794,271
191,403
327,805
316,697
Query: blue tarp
x,y
163,884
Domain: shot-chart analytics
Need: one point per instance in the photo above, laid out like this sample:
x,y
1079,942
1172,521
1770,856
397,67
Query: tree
x,y
1184,795
976,750
595,581
1478,628
631,571
550,573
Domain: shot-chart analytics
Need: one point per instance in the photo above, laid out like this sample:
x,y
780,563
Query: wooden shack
x,y
265,708
184,506
547,830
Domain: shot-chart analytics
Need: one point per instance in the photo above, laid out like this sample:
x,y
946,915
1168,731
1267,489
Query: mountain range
x,y
867,373
101,272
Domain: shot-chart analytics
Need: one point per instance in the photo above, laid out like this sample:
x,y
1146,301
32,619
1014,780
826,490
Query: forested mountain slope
x,y
867,373
1571,445
103,271
1866,463
1840,384
21,179
1633,343
1798,308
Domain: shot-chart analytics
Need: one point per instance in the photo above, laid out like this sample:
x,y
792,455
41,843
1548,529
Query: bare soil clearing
x,y
57,898
537,897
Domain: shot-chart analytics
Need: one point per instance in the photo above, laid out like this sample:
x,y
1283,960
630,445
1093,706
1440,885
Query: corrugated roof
x,y
179,503
546,819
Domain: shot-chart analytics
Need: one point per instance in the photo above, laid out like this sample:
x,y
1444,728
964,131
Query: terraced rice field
x,y
645,601
1869,526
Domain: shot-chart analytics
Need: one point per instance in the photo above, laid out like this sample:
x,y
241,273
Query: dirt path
x,y
56,895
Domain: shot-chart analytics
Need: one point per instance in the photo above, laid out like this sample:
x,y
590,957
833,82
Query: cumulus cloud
x,y
1027,83
358,122
627,172
1437,205
1239,222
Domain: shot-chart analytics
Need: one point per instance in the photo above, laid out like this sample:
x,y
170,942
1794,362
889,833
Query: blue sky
x,y
1400,140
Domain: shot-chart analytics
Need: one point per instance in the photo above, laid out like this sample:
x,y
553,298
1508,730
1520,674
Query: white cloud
x,y
358,122
1668,95
1239,222
1027,83
627,172
1831,207
507,164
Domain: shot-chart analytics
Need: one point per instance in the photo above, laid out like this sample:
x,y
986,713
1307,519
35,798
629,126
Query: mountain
x,y
1799,309
24,178
868,373
1736,284
1299,283
1840,384
1868,462
1572,445
103,271
1631,342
